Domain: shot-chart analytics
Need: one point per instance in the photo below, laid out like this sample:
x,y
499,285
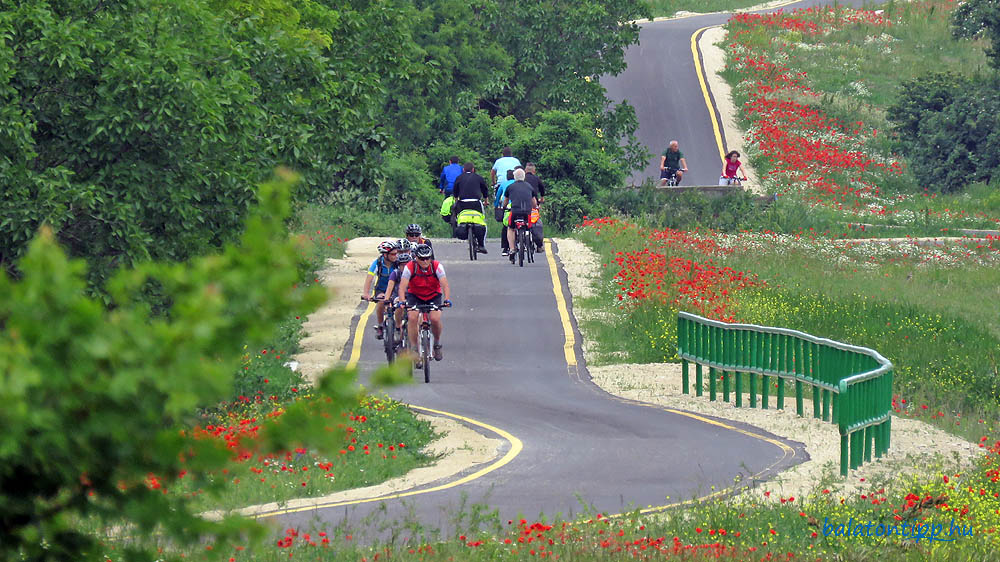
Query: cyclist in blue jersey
x,y
379,273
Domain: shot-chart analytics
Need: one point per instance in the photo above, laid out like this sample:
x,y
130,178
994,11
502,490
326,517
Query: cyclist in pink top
x,y
731,167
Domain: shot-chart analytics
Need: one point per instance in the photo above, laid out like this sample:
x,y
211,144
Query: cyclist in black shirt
x,y
521,196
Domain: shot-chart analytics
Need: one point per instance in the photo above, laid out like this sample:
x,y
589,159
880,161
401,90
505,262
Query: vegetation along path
x,y
505,366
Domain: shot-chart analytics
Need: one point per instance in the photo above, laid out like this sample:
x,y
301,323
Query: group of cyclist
x,y
403,276
673,165
517,196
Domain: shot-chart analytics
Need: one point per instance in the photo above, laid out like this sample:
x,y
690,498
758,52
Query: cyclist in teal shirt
x,y
379,272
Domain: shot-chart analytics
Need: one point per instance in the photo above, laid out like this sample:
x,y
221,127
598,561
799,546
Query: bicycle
x,y
735,180
671,179
388,329
522,241
425,338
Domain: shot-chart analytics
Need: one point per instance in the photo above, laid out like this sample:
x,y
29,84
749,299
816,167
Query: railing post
x,y
698,380
684,376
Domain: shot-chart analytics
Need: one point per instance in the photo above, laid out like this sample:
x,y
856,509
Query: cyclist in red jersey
x,y
423,281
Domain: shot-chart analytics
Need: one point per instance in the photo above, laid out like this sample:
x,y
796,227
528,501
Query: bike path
x,y
661,82
504,366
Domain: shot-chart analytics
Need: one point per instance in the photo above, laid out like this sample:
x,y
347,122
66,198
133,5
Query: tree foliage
x,y
979,18
949,129
135,128
94,403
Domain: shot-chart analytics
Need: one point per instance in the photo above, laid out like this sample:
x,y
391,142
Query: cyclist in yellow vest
x,y
471,220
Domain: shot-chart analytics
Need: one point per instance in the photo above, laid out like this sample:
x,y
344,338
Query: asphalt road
x,y
662,85
505,366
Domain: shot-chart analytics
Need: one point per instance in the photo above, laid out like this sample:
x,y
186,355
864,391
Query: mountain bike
x,y
388,329
425,338
522,241
735,180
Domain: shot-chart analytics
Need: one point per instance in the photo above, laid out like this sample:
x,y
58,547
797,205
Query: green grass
x,y
750,527
383,440
662,8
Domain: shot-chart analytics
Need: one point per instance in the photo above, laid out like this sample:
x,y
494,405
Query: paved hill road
x,y
662,84
505,366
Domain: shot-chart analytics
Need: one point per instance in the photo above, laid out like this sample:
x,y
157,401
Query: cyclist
x,y
379,272
447,210
672,163
414,236
423,281
448,175
502,164
471,221
521,196
731,167
401,261
501,212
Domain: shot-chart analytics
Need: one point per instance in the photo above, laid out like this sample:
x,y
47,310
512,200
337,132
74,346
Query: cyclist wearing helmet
x,y
414,236
423,281
390,291
379,272
405,248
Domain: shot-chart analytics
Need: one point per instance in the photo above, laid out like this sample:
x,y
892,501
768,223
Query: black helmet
x,y
413,230
423,251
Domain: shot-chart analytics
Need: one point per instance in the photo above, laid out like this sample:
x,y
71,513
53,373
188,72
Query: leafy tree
x,y
94,397
978,18
449,65
123,131
559,50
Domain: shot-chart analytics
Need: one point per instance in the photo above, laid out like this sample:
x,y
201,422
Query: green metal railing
x,y
851,386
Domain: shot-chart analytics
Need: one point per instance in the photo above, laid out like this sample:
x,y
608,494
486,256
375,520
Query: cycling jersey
x,y
425,283
380,270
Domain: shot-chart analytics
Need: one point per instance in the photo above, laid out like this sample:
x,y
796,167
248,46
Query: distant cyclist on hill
x,y
672,163
731,167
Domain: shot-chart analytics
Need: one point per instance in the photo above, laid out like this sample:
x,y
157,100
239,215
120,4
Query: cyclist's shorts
x,y
412,300
524,215
668,173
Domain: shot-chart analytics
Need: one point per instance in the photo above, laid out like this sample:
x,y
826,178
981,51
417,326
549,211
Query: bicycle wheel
x,y
472,244
425,353
389,336
520,247
531,247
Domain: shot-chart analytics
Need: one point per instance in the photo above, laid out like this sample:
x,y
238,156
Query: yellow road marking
x,y
359,336
570,341
704,90
515,448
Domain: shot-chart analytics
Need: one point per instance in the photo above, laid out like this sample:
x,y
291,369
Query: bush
x,y
949,128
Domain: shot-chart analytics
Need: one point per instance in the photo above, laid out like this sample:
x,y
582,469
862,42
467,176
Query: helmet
x,y
386,247
413,230
423,251
404,246
404,259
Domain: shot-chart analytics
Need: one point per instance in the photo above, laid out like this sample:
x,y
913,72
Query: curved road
x,y
505,366
662,84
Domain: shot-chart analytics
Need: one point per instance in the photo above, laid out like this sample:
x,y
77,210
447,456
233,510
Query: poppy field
x,y
814,86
